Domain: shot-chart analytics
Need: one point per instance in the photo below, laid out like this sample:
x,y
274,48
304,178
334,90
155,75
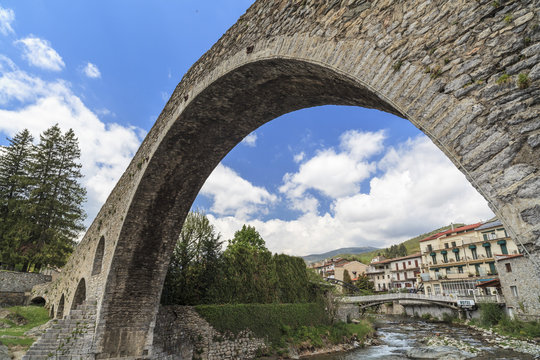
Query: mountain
x,y
352,250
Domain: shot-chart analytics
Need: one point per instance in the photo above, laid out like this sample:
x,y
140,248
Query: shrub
x,y
490,314
523,81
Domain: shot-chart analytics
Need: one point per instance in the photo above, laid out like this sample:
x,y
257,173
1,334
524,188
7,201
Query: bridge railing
x,y
421,297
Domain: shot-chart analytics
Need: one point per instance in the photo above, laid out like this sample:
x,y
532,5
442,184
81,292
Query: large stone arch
x,y
449,67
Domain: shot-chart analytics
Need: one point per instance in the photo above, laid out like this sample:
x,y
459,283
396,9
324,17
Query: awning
x,y
501,242
444,252
432,254
472,246
489,283
486,244
455,250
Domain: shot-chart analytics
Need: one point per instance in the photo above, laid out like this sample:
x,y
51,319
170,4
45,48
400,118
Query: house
x,y
327,267
404,271
521,290
354,268
378,271
456,261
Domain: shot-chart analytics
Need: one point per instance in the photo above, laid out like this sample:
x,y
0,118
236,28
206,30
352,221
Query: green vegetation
x,y
300,325
397,65
508,18
19,320
245,273
523,81
412,246
493,317
503,79
40,199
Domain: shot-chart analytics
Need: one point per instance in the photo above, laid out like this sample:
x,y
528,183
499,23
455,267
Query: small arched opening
x,y
80,294
51,313
98,257
38,301
60,310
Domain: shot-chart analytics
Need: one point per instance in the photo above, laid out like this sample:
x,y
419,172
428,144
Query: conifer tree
x,y
14,187
55,200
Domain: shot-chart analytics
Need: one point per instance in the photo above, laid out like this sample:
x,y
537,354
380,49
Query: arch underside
x,y
209,127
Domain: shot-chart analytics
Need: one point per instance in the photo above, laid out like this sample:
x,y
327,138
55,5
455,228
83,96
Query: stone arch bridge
x,y
466,73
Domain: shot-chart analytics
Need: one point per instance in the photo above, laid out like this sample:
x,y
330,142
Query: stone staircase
x,y
68,338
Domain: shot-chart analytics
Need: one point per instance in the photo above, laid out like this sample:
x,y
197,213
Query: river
x,y
398,335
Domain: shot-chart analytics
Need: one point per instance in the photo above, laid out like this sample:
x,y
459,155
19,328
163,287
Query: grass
x,y
33,316
493,317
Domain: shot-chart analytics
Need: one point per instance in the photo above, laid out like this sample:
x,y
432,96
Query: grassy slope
x,y
34,316
412,246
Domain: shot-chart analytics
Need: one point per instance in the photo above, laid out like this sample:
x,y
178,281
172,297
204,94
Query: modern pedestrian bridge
x,y
408,298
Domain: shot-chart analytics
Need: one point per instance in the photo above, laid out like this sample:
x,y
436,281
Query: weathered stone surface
x,y
403,57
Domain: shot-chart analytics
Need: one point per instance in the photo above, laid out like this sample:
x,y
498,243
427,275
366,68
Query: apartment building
x,y
395,274
458,261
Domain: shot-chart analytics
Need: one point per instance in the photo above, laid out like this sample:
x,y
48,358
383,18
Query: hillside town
x,y
479,261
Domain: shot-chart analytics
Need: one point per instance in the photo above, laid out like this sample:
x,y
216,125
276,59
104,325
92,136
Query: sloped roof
x,y
489,224
461,228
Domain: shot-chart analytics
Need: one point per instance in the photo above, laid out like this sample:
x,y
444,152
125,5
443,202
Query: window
x,y
409,263
508,267
474,254
453,244
415,263
488,252
398,276
388,276
434,257
477,269
446,245
460,269
445,258
404,265
457,256
514,291
504,250
429,248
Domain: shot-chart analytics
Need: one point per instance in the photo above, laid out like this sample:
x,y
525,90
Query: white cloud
x,y
299,157
38,52
418,190
7,16
233,195
92,71
335,174
106,149
250,140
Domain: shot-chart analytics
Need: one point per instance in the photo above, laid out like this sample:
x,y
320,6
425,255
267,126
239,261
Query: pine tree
x,y
14,188
55,200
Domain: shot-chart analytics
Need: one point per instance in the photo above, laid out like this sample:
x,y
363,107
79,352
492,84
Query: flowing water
x,y
397,335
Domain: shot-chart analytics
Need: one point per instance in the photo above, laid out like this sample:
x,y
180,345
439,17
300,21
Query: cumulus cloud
x,y
92,71
417,189
299,157
250,140
7,16
32,103
38,52
233,195
335,173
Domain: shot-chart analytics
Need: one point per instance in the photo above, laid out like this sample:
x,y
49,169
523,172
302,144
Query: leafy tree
x,y
14,188
248,237
364,283
194,264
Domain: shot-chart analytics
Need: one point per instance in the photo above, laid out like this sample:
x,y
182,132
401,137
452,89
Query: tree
x,y
14,188
56,197
195,263
248,237
347,280
364,283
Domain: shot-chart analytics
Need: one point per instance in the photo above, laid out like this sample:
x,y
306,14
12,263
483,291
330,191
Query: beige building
x,y
355,269
459,260
395,274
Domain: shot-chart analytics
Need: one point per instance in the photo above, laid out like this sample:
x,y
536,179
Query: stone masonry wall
x,y
180,333
15,286
527,304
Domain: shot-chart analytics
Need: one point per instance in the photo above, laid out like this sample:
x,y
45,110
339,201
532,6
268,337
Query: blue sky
x,y
310,181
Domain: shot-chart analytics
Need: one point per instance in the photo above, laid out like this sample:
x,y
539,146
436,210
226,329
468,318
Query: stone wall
x,y
526,305
16,286
180,333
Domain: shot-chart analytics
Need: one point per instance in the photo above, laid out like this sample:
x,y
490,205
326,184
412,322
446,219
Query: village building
x,y
379,273
354,268
461,261
521,290
395,274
